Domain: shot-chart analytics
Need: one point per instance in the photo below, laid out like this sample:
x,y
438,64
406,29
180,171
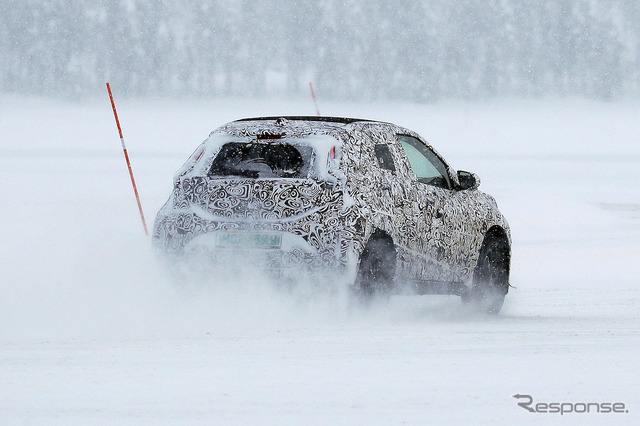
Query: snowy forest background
x,y
351,49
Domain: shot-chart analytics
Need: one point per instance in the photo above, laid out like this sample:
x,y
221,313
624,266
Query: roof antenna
x,y
282,122
315,101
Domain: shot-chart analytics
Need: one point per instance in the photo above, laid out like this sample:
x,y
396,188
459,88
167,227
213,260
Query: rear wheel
x,y
490,277
377,268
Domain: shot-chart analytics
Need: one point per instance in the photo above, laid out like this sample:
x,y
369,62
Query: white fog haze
x,y
420,51
539,98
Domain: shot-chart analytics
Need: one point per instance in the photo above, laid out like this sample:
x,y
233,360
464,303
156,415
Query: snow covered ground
x,y
92,330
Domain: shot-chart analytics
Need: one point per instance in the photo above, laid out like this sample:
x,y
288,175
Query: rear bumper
x,y
269,250
273,246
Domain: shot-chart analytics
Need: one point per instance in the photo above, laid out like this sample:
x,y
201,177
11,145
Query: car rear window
x,y
262,160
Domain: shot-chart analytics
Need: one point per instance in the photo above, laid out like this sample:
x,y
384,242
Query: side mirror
x,y
468,180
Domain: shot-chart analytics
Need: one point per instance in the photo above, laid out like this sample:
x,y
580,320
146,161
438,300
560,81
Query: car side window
x,y
425,164
384,157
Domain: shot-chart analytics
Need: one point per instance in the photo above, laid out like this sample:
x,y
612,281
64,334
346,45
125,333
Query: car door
x,y
391,193
432,188
386,192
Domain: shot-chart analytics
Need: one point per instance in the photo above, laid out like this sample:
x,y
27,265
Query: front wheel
x,y
490,277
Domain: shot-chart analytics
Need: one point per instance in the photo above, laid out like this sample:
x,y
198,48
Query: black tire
x,y
377,268
490,277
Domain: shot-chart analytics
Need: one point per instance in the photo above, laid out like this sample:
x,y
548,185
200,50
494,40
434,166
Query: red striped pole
x,y
313,96
126,157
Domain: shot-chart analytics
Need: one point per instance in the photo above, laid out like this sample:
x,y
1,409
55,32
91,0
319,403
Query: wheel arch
x,y
378,234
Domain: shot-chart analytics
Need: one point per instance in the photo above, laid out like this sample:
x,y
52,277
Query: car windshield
x,y
262,160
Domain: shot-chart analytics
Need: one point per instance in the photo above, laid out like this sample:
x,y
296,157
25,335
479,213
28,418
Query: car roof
x,y
300,126
324,119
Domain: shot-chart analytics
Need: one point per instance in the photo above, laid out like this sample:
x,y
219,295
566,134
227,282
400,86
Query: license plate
x,y
249,240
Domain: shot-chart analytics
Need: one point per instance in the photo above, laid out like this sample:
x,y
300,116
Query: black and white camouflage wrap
x,y
326,221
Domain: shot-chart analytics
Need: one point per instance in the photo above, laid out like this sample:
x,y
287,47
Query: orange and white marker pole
x,y
126,157
313,96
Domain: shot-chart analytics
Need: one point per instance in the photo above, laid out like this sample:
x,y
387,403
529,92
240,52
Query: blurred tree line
x,y
352,49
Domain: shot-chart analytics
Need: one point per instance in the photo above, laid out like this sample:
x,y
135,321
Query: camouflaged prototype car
x,y
369,199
